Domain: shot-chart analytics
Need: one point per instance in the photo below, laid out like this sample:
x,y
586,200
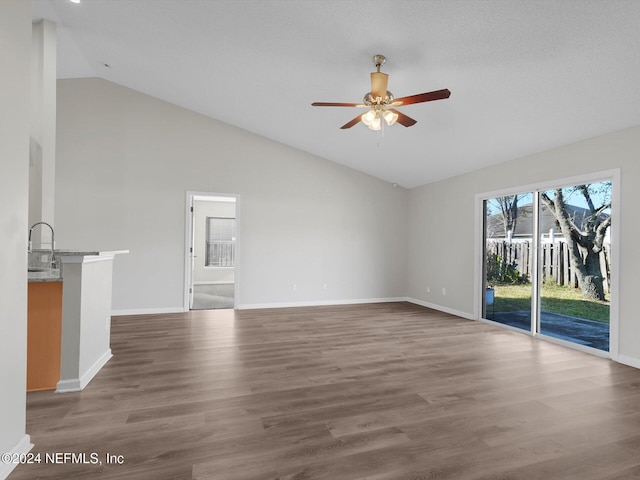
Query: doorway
x,y
211,251
547,263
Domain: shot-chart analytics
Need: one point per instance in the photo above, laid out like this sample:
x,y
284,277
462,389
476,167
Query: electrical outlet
x,y
294,287
444,291
44,258
324,286
428,289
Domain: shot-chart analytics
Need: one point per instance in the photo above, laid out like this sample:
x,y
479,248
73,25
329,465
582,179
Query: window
x,y
221,242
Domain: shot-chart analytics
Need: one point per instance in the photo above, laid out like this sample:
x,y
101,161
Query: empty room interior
x,y
230,252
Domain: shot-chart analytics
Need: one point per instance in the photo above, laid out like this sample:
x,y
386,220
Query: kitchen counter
x,y
85,277
55,275
45,276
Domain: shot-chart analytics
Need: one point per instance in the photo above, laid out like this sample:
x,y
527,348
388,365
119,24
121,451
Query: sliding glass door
x,y
547,265
574,263
508,263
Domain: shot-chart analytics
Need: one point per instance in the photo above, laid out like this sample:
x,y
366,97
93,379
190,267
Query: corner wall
x,y
441,240
125,160
15,51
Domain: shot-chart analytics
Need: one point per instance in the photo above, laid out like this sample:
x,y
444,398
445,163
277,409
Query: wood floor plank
x,y
379,391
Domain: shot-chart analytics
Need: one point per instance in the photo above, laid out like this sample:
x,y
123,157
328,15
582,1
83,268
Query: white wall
x,y
202,210
125,160
15,51
441,240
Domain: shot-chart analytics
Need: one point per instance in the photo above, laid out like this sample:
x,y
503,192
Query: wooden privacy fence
x,y
556,266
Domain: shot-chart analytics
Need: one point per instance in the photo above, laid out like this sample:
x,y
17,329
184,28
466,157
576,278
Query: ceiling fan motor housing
x,y
369,99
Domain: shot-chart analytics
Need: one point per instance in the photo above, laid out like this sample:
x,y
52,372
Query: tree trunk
x,y
586,264
591,286
590,280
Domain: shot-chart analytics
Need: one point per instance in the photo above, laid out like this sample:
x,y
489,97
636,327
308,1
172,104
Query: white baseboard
x,y
631,361
148,311
252,306
214,282
78,384
319,303
452,311
23,446
311,303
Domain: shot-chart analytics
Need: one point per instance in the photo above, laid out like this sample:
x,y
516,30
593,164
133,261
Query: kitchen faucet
x,y
52,238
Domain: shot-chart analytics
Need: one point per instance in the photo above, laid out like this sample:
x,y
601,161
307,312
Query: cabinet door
x,y
44,320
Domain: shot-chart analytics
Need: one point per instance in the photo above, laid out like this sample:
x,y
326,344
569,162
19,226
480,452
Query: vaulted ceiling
x,y
525,76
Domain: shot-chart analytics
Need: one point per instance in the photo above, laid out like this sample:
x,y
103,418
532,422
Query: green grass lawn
x,y
555,298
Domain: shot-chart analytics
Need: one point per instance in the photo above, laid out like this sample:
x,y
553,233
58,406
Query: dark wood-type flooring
x,y
381,391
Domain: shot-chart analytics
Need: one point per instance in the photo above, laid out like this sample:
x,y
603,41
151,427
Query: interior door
x,y
210,260
192,257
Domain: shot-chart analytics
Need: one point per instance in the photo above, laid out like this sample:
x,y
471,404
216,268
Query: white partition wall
x,y
15,50
86,319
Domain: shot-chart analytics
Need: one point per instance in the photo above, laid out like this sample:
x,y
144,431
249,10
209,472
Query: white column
x,y
42,162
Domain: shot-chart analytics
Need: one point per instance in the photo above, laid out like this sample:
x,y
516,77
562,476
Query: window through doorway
x,y
220,242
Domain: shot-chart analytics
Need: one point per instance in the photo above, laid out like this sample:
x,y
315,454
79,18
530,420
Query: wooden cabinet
x,y
44,330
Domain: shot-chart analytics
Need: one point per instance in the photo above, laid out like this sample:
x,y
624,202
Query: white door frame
x,y
191,196
614,176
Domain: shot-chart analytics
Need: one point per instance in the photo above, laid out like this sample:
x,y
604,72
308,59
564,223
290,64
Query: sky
x,y
600,193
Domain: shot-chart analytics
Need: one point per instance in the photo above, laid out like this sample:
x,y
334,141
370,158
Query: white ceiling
x,y
525,76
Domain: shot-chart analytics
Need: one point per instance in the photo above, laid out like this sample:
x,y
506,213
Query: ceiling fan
x,y
380,102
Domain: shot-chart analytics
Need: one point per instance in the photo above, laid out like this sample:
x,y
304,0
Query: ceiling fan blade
x,y
422,97
403,119
379,82
336,104
351,123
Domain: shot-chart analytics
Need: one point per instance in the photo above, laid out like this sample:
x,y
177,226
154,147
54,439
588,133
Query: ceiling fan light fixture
x,y
376,124
390,117
369,117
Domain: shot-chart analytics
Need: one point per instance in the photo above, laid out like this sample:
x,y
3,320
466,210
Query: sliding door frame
x,y
479,267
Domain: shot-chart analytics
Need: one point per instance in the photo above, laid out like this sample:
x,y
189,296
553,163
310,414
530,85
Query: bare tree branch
x,y
584,189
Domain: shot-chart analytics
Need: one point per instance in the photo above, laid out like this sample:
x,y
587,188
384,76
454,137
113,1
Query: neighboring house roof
x,y
524,223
